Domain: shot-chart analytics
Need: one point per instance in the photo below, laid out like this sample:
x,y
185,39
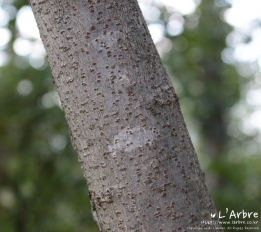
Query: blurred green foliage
x,y
208,88
42,186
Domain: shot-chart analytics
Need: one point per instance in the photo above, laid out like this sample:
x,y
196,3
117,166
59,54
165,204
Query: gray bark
x,y
124,117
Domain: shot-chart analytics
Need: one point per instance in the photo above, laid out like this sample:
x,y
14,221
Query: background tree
x,y
36,155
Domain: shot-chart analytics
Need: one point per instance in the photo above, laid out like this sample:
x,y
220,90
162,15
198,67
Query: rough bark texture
x,y
124,117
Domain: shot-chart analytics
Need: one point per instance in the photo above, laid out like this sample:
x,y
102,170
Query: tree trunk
x,y
124,117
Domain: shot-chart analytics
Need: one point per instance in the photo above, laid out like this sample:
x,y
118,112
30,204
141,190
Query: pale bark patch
x,y
129,139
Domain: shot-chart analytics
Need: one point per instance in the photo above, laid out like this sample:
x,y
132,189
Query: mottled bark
x,y
124,117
